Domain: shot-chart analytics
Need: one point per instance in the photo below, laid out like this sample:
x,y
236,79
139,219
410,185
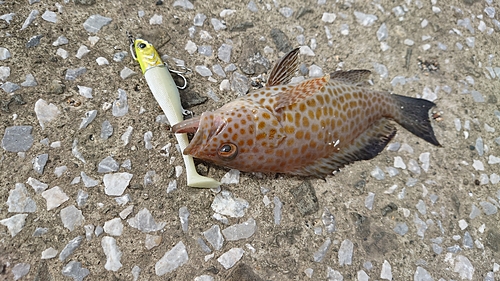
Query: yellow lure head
x,y
147,56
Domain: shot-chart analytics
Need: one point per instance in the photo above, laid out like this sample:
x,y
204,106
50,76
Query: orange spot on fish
x,y
266,115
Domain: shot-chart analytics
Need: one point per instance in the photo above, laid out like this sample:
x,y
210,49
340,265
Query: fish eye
x,y
227,151
142,45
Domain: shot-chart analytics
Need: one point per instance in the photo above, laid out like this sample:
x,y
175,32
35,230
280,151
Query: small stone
x,y
95,22
20,270
82,51
240,231
17,138
106,130
156,20
184,218
15,223
118,57
488,208
145,222
185,4
214,237
315,71
75,270
30,81
365,19
70,248
231,257
420,225
422,275
59,171
463,267
34,41
107,165
305,198
382,32
31,17
4,72
73,73
126,73
120,105
401,228
172,259
203,70
115,184
398,163
88,181
328,221
40,231
112,252
224,52
45,112
127,211
113,227
71,217
217,24
81,198
328,17
89,117
386,272
61,40
37,185
331,274
319,255
225,204
277,210
135,272
55,197
191,47
199,19
231,177
239,83
152,241
286,12
345,252
377,173
369,200
421,207
468,242
218,70
49,253
101,61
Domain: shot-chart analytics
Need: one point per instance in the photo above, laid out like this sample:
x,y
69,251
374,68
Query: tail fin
x,y
414,117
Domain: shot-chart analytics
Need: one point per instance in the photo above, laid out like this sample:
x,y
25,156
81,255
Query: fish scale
x,y
310,128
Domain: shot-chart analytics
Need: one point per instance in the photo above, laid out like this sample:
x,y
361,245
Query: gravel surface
x,y
93,188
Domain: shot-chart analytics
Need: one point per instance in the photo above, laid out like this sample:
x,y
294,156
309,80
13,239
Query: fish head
x,y
232,136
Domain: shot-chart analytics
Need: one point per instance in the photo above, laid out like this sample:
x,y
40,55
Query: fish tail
x,y
413,115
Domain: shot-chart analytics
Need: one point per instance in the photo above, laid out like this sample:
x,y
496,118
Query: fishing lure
x,y
165,91
310,128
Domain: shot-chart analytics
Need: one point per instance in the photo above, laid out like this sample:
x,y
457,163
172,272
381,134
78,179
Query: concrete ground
x,y
398,216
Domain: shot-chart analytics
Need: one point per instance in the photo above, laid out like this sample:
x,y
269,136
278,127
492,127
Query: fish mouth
x,y
187,126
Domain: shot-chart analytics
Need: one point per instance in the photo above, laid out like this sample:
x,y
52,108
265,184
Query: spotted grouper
x,y
310,128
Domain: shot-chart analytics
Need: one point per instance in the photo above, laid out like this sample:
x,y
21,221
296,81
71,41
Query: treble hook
x,y
180,73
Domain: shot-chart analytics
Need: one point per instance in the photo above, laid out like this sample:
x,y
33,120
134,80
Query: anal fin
x,y
366,146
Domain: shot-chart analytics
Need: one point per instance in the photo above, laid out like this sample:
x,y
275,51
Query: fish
x,y
313,127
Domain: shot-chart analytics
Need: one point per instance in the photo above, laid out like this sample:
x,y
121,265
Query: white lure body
x,y
165,91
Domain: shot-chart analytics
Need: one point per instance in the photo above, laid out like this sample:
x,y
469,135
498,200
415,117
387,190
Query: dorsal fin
x,y
284,69
354,77
301,91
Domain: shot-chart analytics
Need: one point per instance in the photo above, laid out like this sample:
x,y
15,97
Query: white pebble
x,y
328,17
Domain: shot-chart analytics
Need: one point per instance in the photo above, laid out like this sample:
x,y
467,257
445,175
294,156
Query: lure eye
x,y
227,151
142,45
